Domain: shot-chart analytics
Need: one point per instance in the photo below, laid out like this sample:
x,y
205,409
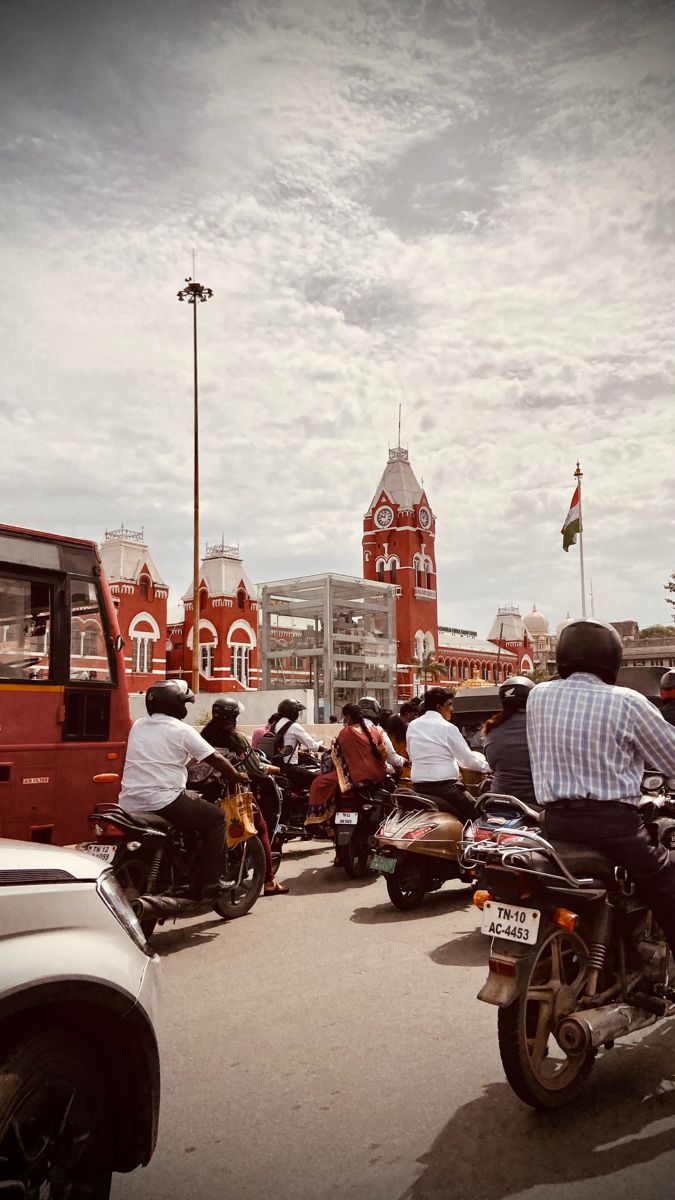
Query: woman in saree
x,y
357,756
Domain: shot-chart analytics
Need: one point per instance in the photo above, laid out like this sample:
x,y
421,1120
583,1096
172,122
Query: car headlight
x,y
113,897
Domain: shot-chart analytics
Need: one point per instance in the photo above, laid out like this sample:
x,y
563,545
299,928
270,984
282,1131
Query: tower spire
x,y
399,426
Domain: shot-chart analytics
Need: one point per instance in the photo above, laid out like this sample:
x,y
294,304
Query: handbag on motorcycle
x,y
238,811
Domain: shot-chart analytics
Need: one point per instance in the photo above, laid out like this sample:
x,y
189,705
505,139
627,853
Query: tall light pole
x,y
194,292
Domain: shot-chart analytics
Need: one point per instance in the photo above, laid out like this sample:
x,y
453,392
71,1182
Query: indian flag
x,y
572,525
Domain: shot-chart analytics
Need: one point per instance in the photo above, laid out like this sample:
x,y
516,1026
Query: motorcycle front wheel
x,y
246,865
407,886
540,1072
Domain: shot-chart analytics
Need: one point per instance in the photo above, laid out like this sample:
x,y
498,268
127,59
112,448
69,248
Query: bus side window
x,y
25,623
88,650
87,716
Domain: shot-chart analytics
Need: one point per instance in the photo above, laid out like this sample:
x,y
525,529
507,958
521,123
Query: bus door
x,y
64,715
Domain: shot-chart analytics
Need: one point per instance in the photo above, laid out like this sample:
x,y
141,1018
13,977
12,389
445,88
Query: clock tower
x,y
399,534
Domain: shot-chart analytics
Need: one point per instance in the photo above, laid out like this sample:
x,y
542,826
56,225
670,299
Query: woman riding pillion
x,y
437,750
506,746
155,775
221,731
358,755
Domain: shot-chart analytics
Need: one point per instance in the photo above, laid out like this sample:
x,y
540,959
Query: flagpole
x,y
579,476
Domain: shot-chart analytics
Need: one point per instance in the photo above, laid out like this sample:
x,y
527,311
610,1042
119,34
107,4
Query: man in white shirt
x,y
155,774
293,736
437,750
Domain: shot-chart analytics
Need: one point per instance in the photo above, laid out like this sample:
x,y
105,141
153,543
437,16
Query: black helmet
x,y
170,697
226,709
590,646
370,708
515,690
290,709
667,686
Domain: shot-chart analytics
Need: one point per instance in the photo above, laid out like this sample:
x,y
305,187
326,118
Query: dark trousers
x,y
450,797
618,831
300,777
189,811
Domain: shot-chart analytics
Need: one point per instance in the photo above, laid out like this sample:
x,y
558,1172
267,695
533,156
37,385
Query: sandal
x,y
275,889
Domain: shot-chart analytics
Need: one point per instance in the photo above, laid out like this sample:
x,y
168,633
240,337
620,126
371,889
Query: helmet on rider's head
x,y
370,708
226,709
290,709
515,690
667,686
592,646
170,697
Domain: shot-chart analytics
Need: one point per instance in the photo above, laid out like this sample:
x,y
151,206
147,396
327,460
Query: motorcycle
x,y
576,960
358,815
295,799
158,865
416,849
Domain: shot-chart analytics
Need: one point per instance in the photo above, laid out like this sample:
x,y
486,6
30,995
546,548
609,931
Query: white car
x,y
79,1066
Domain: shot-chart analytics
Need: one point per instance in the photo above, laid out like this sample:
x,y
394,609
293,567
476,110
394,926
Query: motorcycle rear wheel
x,y
539,1071
407,885
246,864
354,856
132,872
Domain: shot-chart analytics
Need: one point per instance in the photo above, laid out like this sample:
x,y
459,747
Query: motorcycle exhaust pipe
x,y
583,1031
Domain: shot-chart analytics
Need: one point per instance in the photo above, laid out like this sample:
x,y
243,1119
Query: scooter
x,y
358,816
416,849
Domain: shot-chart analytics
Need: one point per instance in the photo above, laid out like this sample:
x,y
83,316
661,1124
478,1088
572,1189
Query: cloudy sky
x,y
462,206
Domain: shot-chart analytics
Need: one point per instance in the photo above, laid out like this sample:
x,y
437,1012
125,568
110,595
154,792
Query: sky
x,y
464,207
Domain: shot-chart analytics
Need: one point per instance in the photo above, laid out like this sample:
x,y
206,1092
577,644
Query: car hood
x,y
32,856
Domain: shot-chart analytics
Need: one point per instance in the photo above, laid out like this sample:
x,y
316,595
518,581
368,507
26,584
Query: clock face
x,y
424,518
384,516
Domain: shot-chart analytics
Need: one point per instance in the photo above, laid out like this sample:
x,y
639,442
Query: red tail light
x,y
422,830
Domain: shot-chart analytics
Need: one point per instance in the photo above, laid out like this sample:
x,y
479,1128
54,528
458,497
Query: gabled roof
x,y
222,574
508,625
398,482
124,559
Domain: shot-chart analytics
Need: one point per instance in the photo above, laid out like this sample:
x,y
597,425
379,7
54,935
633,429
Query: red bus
x,y
64,709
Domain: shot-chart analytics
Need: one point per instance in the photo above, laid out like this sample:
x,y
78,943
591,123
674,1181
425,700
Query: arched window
x,y
393,569
379,569
144,586
241,598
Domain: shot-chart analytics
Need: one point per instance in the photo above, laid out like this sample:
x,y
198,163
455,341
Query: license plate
x,y
107,853
513,924
346,818
380,863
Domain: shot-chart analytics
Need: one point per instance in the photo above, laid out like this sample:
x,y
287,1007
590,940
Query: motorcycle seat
x,y
586,863
409,801
150,820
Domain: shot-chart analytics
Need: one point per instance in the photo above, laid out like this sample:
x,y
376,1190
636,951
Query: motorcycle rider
x,y
293,737
437,750
506,741
589,741
372,714
221,731
155,774
668,697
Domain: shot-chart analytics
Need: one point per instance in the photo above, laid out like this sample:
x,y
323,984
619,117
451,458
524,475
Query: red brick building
x,y
140,595
228,626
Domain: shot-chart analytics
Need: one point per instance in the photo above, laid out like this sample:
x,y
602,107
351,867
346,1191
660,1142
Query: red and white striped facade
x,y
140,596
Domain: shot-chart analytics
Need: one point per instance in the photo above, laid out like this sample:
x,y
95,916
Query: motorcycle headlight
x,y
652,783
114,899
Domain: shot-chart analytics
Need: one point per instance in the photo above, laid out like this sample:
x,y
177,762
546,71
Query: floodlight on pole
x,y
194,292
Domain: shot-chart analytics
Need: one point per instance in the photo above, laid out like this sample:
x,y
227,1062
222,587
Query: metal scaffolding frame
x,y
345,629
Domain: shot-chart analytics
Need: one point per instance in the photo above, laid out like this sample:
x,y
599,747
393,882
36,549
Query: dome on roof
x,y
535,622
561,624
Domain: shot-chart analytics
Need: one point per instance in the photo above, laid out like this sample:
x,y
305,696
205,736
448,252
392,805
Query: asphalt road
x,y
328,1046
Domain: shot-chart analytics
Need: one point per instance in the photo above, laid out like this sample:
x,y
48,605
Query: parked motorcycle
x,y
157,865
358,816
576,959
416,849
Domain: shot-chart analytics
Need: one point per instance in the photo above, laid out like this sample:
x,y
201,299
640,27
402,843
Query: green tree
x,y
427,667
670,587
658,631
539,675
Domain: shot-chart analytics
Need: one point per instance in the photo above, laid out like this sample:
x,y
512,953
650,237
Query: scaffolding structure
x,y
333,633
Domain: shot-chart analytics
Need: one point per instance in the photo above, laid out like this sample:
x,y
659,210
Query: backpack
x,y
271,743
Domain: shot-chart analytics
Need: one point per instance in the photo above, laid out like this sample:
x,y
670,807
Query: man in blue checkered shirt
x,y
589,741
